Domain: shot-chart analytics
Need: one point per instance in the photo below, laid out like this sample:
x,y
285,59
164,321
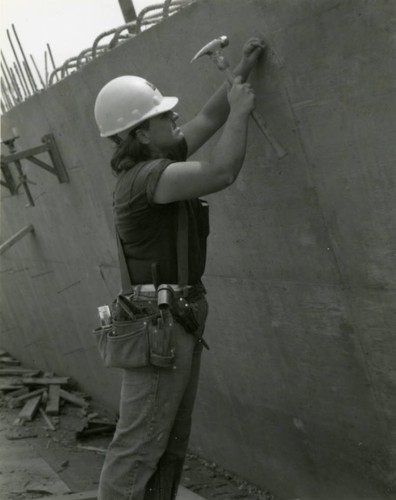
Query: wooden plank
x,y
15,382
182,494
71,398
31,394
15,372
52,407
87,495
47,419
92,448
29,410
4,387
46,381
19,392
15,402
7,360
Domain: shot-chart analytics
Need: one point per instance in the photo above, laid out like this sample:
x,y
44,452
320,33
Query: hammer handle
x,y
260,123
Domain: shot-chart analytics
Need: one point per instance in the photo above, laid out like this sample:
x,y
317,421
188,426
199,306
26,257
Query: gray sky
x,y
69,26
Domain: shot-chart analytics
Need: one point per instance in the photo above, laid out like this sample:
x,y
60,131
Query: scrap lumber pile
x,y
45,394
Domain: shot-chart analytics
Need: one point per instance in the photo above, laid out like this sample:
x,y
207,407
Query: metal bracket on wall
x,y
17,236
49,146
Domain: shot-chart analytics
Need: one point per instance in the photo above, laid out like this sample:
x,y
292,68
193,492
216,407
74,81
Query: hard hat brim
x,y
166,104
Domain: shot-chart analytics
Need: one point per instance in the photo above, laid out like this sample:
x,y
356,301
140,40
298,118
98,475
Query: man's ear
x,y
142,136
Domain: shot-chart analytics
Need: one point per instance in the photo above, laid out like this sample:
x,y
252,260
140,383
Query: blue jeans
x,y
145,459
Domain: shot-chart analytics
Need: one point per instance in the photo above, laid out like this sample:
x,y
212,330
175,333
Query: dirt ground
x,y
77,460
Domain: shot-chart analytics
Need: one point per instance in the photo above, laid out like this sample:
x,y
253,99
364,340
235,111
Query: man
x,y
156,183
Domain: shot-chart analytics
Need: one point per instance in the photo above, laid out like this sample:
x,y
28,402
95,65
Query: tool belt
x,y
151,289
138,331
179,299
191,293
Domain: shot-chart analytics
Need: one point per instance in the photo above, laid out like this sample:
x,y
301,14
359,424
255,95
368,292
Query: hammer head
x,y
212,47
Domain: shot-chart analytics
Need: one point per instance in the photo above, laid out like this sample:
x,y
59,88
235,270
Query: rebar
x,y
9,85
29,77
21,81
70,63
53,74
98,38
87,54
83,54
46,67
13,78
165,10
129,26
5,94
52,58
38,72
137,25
17,62
27,67
158,12
6,65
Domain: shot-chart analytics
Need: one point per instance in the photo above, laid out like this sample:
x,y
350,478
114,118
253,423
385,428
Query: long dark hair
x,y
130,151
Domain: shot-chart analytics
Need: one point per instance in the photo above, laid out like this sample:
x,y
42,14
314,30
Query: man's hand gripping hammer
x,y
213,50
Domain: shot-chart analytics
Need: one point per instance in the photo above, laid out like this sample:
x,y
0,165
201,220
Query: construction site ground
x,y
39,462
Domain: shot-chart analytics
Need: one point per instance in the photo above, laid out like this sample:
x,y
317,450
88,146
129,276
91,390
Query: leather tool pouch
x,y
124,344
183,313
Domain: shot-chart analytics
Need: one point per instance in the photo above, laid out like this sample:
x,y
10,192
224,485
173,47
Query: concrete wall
x,y
298,390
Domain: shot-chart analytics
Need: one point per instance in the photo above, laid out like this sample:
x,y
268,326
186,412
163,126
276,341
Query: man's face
x,y
163,131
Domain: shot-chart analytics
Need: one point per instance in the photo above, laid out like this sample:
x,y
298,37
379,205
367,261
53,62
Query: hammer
x,y
213,50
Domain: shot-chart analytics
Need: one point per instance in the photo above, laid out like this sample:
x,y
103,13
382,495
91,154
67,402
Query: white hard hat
x,y
127,101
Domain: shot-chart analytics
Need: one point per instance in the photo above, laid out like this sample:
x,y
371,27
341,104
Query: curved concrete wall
x,y
297,392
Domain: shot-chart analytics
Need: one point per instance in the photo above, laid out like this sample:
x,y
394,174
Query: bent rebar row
x,y
18,82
